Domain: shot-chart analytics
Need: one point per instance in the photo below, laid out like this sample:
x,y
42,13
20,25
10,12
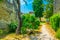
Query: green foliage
x,y
49,8
58,34
38,8
2,32
12,26
55,21
29,22
1,0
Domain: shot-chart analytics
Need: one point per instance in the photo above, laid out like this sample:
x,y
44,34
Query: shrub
x,y
1,0
58,34
29,22
2,32
12,26
55,20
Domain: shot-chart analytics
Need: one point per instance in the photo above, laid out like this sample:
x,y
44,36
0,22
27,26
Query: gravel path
x,y
44,35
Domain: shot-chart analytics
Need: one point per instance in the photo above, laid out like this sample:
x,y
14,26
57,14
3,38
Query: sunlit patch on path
x,y
46,35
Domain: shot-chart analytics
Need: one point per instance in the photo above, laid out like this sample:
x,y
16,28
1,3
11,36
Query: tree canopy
x,y
38,8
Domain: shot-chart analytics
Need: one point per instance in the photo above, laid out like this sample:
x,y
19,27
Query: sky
x,y
27,8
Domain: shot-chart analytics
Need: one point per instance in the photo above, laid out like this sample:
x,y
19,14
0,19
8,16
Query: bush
x,y
55,20
1,0
29,22
58,34
2,32
12,26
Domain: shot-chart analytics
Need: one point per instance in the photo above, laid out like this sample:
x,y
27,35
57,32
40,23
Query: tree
x,y
49,8
38,8
16,6
18,30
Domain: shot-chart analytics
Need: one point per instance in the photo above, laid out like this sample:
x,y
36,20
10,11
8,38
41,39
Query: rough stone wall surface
x,y
5,17
12,7
56,6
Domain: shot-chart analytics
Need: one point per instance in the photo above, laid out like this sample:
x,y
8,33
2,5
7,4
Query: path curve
x,y
47,32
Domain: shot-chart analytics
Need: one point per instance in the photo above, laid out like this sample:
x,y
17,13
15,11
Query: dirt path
x,y
46,33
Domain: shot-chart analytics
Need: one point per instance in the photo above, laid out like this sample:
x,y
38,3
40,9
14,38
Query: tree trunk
x,y
18,30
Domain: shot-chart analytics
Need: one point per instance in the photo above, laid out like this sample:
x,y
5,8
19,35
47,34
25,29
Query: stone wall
x,y
56,6
11,6
3,24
